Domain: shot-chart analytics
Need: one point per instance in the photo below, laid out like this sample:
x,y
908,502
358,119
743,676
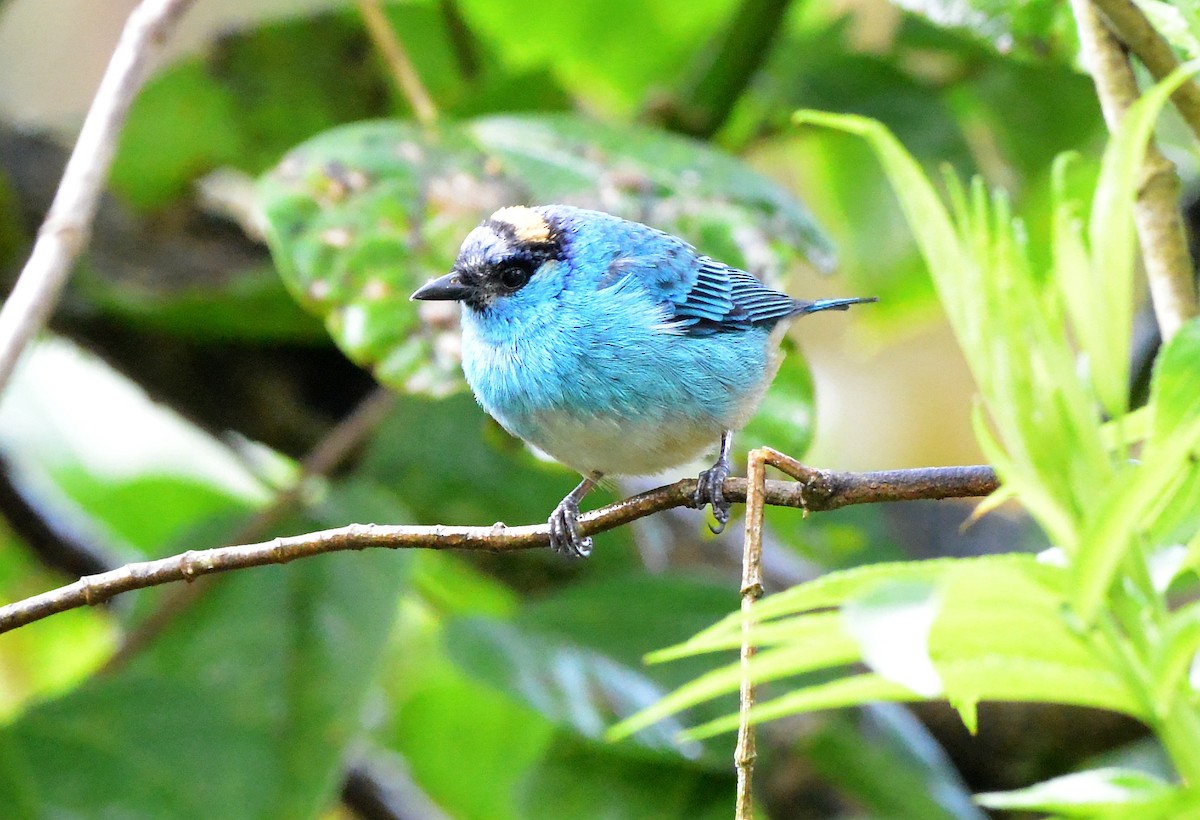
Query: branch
x,y
1156,211
817,491
1139,35
404,73
721,71
329,453
68,223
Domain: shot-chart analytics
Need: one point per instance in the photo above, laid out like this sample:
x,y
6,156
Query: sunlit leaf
x,y
891,624
1084,793
990,629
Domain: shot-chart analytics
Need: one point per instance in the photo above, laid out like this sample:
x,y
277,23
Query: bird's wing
x,y
720,298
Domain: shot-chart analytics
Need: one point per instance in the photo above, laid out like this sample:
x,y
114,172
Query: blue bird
x,y
613,347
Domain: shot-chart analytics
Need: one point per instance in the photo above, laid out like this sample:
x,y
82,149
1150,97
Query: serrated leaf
x,y
997,632
991,678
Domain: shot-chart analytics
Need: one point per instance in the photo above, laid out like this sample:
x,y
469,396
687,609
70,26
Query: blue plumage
x,y
611,346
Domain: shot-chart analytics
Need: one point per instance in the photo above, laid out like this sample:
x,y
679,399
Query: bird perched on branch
x,y
613,347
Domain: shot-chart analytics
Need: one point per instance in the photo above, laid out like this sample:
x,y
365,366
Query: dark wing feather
x,y
723,298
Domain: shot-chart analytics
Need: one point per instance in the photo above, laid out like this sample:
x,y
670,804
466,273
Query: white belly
x,y
593,444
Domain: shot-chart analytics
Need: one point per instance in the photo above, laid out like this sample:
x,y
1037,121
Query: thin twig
x,y
329,453
68,223
1156,211
752,589
1132,27
745,753
816,491
388,42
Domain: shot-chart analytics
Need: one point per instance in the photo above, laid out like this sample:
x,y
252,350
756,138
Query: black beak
x,y
448,288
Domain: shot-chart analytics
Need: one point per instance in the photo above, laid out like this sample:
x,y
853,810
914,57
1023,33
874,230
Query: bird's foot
x,y
565,535
709,491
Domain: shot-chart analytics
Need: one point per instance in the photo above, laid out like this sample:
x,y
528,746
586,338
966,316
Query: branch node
x,y
188,564
87,587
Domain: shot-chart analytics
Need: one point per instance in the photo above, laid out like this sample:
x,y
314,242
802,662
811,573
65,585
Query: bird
x,y
615,348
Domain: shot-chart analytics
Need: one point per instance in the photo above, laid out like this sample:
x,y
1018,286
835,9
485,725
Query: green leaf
x,y
987,629
257,692
1169,458
258,90
1178,25
1028,29
836,588
1083,793
891,625
1174,396
993,678
784,419
360,216
571,685
886,760
507,740
578,780
1111,241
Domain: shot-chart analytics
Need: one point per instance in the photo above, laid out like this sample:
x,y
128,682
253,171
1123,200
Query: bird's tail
x,y
833,304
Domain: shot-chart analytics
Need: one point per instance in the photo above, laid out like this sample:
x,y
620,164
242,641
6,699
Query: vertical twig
x,y
752,589
1156,212
68,223
385,38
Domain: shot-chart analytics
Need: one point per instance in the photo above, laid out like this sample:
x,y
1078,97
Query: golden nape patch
x,y
528,224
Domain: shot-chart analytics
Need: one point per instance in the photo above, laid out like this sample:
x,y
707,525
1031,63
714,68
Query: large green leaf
x,y
574,655
256,692
360,216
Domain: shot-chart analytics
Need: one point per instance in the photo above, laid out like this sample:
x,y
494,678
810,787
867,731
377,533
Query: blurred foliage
x,y
1088,623
491,680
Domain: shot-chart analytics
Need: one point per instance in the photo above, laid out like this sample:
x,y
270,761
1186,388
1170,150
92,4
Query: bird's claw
x,y
565,536
709,490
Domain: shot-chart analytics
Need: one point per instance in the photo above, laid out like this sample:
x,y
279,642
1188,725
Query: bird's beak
x,y
448,288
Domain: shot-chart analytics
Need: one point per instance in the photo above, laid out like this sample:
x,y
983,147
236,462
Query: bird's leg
x,y
708,486
565,536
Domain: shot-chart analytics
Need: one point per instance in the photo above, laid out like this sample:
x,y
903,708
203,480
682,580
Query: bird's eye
x,y
514,277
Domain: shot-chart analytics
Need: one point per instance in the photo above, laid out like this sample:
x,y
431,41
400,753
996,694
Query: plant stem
x,y
68,224
387,41
1130,25
1156,211
745,753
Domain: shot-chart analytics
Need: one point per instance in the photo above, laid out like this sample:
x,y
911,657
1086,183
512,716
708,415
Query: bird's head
x,y
514,246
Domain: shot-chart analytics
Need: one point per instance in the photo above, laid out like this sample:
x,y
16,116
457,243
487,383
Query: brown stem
x,y
1156,210
68,223
1138,34
404,73
817,490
